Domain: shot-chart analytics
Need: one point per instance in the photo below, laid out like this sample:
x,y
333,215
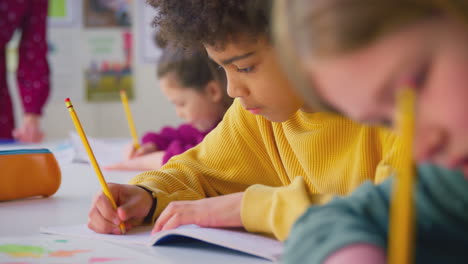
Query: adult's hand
x,y
29,131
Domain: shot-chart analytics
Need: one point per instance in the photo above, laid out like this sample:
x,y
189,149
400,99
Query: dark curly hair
x,y
212,22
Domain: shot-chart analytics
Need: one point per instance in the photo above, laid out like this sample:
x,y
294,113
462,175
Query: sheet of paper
x,y
139,235
107,152
57,249
237,240
63,152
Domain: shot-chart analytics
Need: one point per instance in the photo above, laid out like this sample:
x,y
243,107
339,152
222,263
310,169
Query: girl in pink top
x,y
196,87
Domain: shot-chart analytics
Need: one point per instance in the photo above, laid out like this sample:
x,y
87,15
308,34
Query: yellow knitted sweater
x,y
282,167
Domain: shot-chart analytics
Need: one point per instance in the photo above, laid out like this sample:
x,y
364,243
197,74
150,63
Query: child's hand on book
x,y
221,211
133,205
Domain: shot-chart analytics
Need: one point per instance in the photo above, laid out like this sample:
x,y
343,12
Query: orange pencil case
x,y
27,173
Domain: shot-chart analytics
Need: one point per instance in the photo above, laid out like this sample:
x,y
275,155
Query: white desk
x,y
70,206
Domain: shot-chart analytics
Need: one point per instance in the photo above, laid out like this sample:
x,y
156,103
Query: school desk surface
x,y
70,205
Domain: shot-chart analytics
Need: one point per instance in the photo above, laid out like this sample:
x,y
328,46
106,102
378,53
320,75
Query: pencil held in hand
x,y
92,158
402,217
128,113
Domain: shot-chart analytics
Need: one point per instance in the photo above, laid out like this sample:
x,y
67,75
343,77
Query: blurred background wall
x,y
104,118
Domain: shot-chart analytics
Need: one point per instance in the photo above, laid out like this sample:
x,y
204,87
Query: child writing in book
x,y
268,159
358,66
195,86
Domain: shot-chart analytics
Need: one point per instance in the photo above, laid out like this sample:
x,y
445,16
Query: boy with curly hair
x,y
269,159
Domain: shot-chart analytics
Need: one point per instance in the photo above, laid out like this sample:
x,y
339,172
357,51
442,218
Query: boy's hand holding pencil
x,y
117,203
134,204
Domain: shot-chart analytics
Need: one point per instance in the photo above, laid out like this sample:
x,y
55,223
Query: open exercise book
x,y
234,239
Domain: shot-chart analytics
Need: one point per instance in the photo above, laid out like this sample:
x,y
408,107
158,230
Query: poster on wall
x,y
108,13
107,64
148,51
62,13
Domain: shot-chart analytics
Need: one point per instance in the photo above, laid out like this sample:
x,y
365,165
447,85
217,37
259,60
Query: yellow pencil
x,y
402,217
128,113
92,158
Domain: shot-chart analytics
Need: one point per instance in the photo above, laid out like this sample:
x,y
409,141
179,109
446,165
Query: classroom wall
x,y
150,109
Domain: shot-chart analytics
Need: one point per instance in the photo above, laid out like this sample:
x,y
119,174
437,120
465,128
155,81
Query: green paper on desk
x,y
56,249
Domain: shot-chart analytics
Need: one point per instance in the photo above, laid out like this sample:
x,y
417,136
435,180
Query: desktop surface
x,y
70,205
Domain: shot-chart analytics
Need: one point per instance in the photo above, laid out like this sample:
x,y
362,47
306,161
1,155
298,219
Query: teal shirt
x,y
442,220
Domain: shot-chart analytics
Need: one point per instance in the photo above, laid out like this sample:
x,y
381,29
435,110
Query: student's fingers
x,y
135,204
139,152
130,211
176,213
176,221
132,153
165,216
129,219
105,208
182,218
129,151
129,225
221,211
102,213
145,149
116,190
99,224
102,203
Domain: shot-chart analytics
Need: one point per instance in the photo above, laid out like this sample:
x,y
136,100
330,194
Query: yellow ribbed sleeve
x,y
321,154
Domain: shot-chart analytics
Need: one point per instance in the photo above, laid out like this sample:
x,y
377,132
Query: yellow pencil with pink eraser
x,y
402,216
92,158
128,113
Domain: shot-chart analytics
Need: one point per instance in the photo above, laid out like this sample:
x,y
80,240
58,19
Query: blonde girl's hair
x,y
325,28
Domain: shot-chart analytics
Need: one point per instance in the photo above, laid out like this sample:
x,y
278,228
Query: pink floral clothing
x,y
174,141
30,17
